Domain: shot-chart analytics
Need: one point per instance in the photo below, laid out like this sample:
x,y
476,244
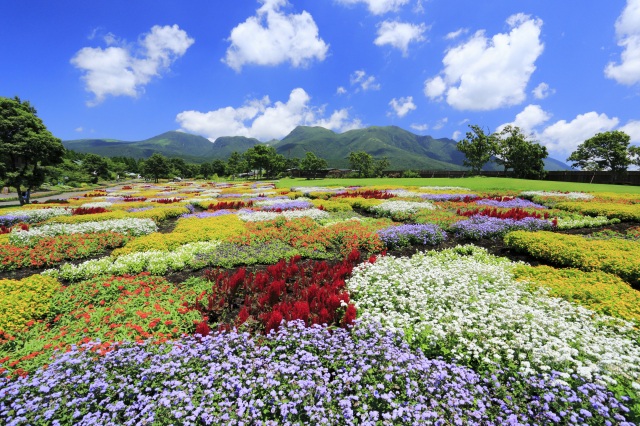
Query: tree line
x,y
512,149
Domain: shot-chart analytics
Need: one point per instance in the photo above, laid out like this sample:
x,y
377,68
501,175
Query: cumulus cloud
x,y
632,128
542,91
264,120
118,71
420,127
485,74
628,35
455,34
364,81
564,137
378,7
457,135
402,106
272,37
399,34
529,119
341,90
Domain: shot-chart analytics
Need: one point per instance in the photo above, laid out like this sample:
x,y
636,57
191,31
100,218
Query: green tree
x,y
514,151
311,163
362,162
236,164
634,155
265,158
604,151
477,147
26,147
156,166
379,165
96,166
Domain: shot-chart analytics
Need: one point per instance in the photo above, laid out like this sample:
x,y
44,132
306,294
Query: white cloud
x,y
485,74
116,71
360,78
271,37
420,127
542,91
399,34
456,135
264,120
79,129
341,90
402,106
564,137
378,7
435,88
529,119
440,123
628,34
632,128
455,34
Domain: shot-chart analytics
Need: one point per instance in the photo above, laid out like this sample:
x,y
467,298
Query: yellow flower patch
x,y
25,300
616,256
609,209
333,205
188,230
599,291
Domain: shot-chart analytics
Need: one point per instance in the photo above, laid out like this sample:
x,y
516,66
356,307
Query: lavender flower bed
x,y
202,215
140,209
516,203
12,219
405,235
286,205
295,376
477,227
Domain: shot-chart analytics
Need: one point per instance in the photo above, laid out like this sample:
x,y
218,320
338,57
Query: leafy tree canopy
x,y
312,163
478,148
26,147
604,151
156,166
514,151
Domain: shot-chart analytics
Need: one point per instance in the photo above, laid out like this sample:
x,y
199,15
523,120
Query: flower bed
x,y
298,375
616,256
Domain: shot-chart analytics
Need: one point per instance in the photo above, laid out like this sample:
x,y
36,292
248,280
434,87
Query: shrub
x,y
25,300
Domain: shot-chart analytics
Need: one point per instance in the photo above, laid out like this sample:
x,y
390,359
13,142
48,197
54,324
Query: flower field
x,y
248,304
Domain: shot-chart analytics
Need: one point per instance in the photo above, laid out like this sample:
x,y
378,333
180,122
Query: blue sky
x,y
561,70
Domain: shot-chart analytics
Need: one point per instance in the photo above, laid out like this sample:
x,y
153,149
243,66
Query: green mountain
x,y
404,149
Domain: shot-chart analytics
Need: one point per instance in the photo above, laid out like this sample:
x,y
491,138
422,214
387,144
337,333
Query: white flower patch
x,y
469,307
40,215
103,204
156,262
578,221
130,226
569,195
402,193
310,189
257,216
444,188
280,201
407,207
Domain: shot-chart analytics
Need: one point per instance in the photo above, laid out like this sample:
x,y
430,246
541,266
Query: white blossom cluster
x,y
393,207
94,204
280,201
310,189
39,215
257,216
156,262
403,193
579,221
569,195
465,303
129,226
444,188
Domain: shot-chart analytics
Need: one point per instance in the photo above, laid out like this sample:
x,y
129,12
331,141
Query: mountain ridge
x,y
403,149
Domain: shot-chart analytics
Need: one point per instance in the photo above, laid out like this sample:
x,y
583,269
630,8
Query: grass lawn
x,y
474,183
